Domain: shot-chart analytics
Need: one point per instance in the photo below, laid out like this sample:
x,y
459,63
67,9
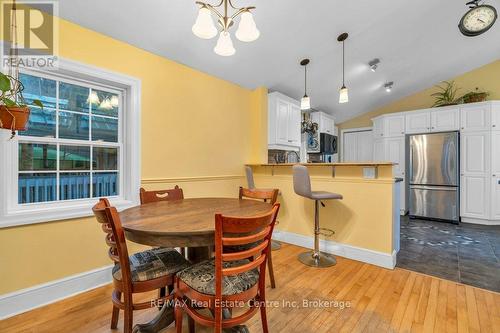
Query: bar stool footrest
x,y
326,232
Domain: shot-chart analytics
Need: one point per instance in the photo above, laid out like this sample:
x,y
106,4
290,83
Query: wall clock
x,y
478,20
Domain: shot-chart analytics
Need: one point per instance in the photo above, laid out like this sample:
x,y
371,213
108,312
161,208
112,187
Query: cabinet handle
x,y
290,140
402,132
494,125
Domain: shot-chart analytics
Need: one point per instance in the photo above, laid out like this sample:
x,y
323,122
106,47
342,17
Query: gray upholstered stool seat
x,y
322,195
302,186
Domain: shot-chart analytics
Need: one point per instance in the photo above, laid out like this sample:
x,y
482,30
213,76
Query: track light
x,y
374,64
388,86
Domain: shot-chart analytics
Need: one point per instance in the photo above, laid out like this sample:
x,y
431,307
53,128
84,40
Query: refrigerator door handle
x,y
432,188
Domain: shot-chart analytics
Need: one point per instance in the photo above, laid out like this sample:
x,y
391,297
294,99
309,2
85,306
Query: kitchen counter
x,y
326,164
365,221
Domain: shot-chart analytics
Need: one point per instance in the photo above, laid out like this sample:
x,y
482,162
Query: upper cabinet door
x,y
394,126
475,118
294,119
495,117
282,122
418,122
379,151
378,128
445,120
475,153
495,153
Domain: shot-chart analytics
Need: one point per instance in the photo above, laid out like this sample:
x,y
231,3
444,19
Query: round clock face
x,y
478,20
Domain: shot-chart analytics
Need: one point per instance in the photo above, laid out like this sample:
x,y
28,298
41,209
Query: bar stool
x,y
302,187
275,245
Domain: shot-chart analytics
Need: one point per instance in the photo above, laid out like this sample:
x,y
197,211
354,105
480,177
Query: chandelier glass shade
x,y
343,93
205,28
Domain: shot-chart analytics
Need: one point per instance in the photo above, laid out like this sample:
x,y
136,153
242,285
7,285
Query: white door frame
x,y
350,130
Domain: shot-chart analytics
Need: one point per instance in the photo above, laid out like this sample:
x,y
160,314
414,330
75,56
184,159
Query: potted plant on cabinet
x,y
446,95
14,111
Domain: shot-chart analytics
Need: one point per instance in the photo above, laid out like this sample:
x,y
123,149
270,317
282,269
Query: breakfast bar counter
x,y
365,221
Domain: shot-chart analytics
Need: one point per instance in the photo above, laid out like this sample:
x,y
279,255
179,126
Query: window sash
x,y
75,142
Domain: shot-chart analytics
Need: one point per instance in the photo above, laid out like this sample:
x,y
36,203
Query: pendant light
x,y
305,102
343,93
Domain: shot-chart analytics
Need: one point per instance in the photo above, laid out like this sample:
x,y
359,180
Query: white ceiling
x,y
418,43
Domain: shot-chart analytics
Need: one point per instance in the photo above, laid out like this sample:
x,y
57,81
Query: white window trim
x,y
12,214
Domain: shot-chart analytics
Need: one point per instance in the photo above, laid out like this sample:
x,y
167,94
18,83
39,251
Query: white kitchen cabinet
x,y
475,117
475,153
395,152
284,117
394,126
475,197
495,116
495,153
326,123
418,122
443,120
495,198
379,151
378,128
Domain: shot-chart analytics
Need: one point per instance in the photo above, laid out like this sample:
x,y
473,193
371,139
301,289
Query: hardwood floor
x,y
380,300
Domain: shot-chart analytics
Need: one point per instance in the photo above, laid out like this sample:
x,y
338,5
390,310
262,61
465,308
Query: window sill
x,y
50,213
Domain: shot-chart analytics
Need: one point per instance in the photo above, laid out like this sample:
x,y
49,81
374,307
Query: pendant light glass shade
x,y
343,95
305,103
204,26
247,30
224,45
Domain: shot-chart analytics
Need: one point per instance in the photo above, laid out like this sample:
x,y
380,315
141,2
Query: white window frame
x,y
14,214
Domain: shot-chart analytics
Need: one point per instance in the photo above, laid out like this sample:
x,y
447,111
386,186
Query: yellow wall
x,y
486,78
193,125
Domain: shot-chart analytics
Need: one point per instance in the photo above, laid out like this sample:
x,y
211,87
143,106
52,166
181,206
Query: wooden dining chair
x,y
268,195
230,278
141,272
163,195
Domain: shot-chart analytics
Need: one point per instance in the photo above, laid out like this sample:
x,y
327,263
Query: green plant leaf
x,y
4,82
8,101
38,103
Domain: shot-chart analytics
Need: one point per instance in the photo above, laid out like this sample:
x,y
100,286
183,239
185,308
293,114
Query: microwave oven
x,y
327,143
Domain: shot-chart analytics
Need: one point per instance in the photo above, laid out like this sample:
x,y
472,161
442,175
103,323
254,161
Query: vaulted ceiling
x,y
418,43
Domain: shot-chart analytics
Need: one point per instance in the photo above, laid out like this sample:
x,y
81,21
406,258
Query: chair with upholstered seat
x,y
163,195
141,272
230,279
302,187
270,196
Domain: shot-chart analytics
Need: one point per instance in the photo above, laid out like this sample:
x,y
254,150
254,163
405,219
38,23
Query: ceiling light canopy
x,y
305,102
388,86
344,92
205,28
374,64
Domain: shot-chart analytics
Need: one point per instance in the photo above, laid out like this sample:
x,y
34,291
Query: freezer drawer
x,y
437,202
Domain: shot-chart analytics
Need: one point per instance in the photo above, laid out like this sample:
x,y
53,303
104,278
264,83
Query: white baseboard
x,y
352,252
34,297
479,221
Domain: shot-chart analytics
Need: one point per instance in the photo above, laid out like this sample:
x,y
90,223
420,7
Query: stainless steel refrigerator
x,y
434,176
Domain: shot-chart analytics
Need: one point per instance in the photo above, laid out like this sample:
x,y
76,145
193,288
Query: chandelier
x,y
204,26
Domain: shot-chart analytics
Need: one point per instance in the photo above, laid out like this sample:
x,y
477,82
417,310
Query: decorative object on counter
x,y
305,102
374,64
388,86
343,93
446,95
204,26
474,97
478,20
307,125
14,111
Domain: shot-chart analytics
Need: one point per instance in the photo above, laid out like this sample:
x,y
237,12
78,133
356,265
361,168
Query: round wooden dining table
x,y
188,223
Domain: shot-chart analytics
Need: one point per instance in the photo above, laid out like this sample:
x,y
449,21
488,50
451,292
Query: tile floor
x,y
466,253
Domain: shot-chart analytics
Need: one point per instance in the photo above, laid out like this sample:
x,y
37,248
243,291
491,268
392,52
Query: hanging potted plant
x,y
14,111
